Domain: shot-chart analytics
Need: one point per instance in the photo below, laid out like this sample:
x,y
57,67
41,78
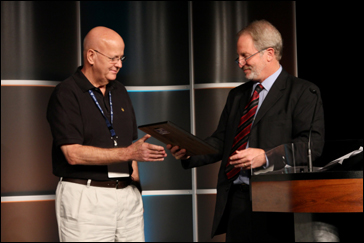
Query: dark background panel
x,y
206,208
38,40
215,24
165,175
26,141
155,35
328,56
28,222
153,107
209,104
168,218
207,176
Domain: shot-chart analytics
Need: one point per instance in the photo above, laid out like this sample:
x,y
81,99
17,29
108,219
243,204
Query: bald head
x,y
101,38
100,47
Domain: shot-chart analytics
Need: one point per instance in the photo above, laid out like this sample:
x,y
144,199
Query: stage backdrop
x,y
180,67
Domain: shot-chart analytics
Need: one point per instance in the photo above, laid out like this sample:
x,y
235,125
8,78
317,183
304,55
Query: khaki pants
x,y
93,214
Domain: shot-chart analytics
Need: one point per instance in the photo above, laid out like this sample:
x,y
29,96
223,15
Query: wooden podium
x,y
315,192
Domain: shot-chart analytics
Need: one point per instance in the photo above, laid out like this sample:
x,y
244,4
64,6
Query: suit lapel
x,y
275,93
244,101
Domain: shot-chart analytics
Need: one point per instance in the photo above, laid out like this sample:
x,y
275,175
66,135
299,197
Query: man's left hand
x,y
248,158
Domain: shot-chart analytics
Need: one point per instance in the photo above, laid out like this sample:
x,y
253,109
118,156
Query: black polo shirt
x,y
74,118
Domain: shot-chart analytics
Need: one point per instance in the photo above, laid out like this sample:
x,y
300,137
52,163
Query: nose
x,y
241,62
119,64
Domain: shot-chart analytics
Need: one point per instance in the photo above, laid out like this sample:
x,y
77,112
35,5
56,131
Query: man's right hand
x,y
177,152
142,151
77,154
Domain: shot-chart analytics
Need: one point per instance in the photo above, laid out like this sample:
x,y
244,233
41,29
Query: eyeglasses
x,y
113,60
243,61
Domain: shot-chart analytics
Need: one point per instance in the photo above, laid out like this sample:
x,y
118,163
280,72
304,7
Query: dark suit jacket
x,y
285,116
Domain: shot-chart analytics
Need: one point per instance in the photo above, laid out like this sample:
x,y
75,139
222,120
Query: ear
x,y
270,54
90,57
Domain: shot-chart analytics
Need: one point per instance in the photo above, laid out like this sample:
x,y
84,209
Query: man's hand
x,y
77,154
142,151
248,158
177,152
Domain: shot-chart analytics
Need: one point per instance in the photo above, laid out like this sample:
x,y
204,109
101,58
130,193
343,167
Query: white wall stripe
x,y
206,191
129,88
157,88
27,198
166,192
217,85
29,83
145,193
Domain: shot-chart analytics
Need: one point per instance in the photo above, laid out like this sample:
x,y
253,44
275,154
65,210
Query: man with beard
x,y
273,108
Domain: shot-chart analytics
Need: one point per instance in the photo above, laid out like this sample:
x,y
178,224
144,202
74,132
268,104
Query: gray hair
x,y
264,35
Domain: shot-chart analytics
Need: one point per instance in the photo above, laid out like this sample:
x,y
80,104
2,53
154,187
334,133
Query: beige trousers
x,y
94,214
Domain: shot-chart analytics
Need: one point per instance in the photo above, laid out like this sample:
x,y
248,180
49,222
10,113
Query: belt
x,y
117,184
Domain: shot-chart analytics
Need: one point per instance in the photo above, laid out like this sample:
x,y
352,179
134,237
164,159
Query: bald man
x,y
98,197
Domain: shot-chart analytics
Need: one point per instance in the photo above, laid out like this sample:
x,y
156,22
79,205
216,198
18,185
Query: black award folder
x,y
169,133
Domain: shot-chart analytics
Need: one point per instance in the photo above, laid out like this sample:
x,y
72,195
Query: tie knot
x,y
259,88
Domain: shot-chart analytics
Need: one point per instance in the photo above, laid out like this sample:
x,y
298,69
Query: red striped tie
x,y
243,131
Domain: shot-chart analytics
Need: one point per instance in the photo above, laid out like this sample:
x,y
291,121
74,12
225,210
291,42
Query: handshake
x,y
143,151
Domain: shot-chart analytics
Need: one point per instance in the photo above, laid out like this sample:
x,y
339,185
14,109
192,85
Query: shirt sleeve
x,y
64,117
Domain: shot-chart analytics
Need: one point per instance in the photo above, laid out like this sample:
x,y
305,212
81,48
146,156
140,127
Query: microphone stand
x,y
310,169
309,155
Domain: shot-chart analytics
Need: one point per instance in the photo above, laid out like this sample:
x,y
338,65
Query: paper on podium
x,y
293,158
341,159
169,133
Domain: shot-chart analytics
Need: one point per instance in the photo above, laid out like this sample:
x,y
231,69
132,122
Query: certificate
x,y
169,133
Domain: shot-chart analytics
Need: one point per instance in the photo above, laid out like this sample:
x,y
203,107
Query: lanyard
x,y
109,124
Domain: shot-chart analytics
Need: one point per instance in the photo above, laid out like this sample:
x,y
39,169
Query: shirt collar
x,y
85,84
268,83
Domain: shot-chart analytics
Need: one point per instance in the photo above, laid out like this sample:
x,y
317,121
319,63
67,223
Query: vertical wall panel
x,y
206,206
28,222
38,42
209,106
152,107
155,35
215,25
168,218
25,141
